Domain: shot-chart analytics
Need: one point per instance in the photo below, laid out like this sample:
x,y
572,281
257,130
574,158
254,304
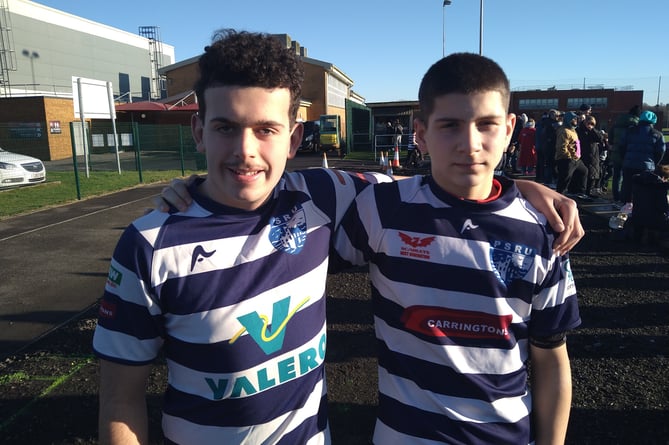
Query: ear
x,y
510,125
196,129
295,139
421,129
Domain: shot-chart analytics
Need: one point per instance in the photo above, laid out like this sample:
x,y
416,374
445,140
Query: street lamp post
x,y
443,27
32,55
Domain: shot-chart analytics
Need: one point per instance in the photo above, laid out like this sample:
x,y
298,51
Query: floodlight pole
x,y
481,29
443,27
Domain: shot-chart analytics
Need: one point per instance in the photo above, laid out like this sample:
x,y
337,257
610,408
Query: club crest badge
x,y
510,261
288,232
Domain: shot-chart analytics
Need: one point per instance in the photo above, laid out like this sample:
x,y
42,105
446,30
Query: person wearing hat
x,y
644,149
571,171
585,109
591,141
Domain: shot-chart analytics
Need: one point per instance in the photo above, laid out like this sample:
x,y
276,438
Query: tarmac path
x,y
55,261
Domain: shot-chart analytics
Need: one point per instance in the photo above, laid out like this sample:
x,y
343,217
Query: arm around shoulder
x,y
123,417
560,212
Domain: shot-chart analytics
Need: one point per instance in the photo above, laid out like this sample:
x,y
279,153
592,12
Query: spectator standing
x,y
548,137
398,131
512,151
538,145
617,149
572,173
390,131
644,149
527,159
414,155
651,203
605,167
590,140
585,110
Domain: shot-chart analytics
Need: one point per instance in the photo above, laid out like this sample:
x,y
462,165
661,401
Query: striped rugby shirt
x,y
236,300
458,288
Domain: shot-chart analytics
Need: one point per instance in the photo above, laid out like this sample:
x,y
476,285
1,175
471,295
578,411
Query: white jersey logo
x,y
468,225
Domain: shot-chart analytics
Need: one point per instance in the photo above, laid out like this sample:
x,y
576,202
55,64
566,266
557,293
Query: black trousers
x,y
572,176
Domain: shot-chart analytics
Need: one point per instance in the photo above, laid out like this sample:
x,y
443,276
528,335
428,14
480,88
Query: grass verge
x,y
61,188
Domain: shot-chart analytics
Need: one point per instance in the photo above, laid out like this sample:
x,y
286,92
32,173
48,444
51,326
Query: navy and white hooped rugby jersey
x,y
458,288
237,301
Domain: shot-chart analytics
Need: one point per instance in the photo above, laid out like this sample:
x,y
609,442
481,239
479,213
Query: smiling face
x,y
466,135
247,136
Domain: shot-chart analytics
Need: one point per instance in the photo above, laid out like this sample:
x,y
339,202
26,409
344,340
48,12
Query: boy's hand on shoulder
x,y
175,195
560,211
573,230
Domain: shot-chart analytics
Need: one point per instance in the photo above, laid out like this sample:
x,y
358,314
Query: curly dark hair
x,y
464,73
247,59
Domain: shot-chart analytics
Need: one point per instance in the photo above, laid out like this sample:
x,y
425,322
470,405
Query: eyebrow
x,y
259,123
455,119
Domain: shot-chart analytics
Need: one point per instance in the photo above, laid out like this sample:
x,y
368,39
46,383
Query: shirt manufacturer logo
x,y
468,225
199,254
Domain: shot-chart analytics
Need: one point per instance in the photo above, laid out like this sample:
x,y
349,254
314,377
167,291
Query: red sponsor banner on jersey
x,y
441,322
107,309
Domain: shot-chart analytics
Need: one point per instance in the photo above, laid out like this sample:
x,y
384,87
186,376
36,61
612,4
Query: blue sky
x,y
386,46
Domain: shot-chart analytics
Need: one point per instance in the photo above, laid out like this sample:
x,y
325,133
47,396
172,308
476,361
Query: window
x,y
337,92
573,103
537,104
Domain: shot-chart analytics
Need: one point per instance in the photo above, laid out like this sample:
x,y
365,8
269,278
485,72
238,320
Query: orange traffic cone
x,y
396,159
325,161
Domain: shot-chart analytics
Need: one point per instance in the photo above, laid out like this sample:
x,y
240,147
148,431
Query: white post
x,y
112,115
83,125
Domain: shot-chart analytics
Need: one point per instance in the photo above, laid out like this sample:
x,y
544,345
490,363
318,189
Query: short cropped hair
x,y
246,59
463,73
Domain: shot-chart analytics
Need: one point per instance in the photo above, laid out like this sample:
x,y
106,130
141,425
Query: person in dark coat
x,y
644,149
591,140
651,205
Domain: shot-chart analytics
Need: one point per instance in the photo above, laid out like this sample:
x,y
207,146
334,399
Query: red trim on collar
x,y
495,193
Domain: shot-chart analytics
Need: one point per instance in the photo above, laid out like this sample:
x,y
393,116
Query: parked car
x,y
17,169
308,144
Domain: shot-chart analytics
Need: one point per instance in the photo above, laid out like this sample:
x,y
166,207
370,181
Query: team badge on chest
x,y
510,261
288,232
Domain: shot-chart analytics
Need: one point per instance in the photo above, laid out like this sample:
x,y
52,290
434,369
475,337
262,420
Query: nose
x,y
471,139
247,146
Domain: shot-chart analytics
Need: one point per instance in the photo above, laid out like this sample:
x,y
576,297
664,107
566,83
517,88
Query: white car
x,y
16,169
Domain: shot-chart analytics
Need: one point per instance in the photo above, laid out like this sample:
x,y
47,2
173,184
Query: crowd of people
x,y
570,153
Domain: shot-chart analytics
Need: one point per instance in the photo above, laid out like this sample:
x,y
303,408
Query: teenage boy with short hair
x,y
466,288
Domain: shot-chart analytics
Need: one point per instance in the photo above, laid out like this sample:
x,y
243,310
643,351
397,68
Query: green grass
x,y
60,188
